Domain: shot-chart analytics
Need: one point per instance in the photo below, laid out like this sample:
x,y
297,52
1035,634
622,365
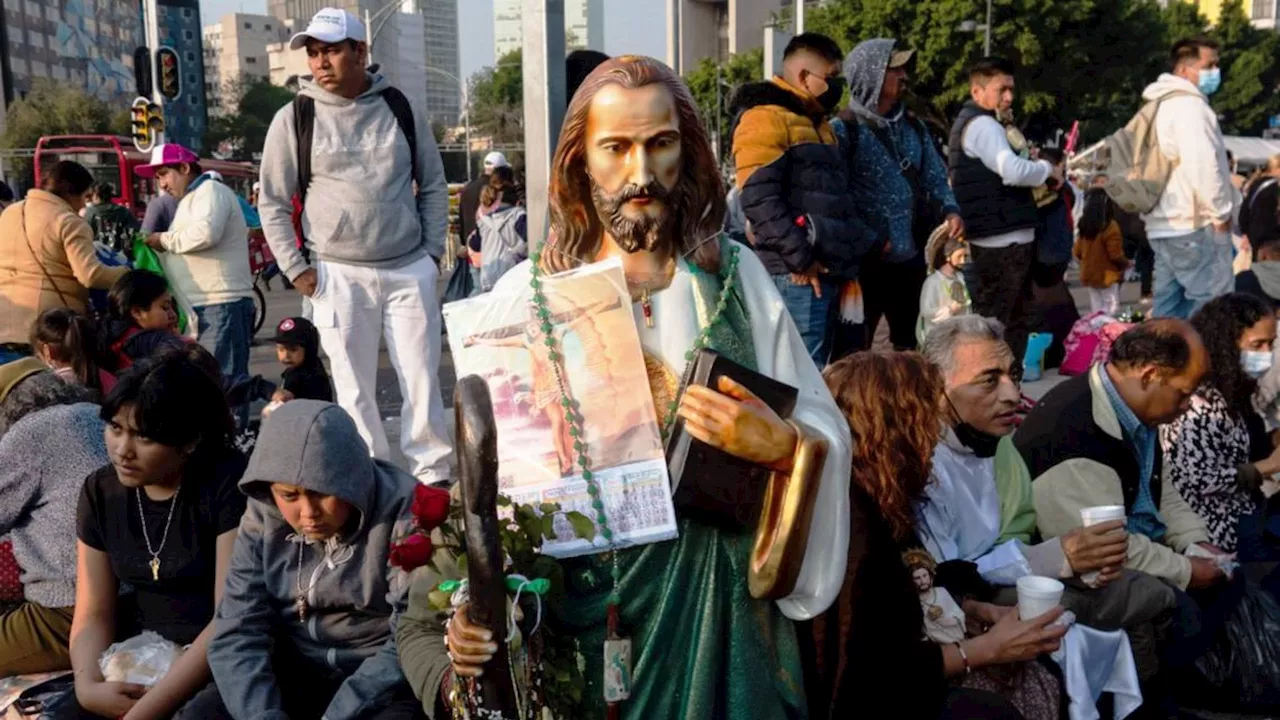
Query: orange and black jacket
x,y
794,184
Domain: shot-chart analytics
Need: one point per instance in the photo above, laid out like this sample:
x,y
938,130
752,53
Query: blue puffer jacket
x,y
880,191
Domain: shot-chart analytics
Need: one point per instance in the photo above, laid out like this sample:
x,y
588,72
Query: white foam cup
x,y
1037,596
1100,514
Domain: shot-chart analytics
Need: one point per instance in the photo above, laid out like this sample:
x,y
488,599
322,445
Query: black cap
x,y
296,331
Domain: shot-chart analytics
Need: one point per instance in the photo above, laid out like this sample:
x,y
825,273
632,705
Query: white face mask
x,y
1256,363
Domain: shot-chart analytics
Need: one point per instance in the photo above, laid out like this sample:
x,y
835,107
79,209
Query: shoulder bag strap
x,y
35,256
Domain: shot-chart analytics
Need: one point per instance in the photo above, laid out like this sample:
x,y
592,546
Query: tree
x,y
496,99
56,109
251,103
1085,60
735,72
1250,72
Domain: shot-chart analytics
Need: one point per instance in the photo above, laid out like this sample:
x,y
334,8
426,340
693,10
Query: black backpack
x,y
304,121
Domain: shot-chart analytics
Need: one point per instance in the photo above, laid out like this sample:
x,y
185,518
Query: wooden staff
x,y
477,452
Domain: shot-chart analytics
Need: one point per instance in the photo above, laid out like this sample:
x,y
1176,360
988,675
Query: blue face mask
x,y
1210,80
1256,363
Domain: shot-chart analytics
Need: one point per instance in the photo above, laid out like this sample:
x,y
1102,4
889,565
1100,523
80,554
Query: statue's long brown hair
x,y
576,232
891,401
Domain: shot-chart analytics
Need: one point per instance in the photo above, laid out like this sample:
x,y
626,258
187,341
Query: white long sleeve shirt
x,y
1199,192
206,250
984,139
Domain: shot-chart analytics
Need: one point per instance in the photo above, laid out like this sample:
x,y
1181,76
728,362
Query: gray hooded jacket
x,y
354,595
360,208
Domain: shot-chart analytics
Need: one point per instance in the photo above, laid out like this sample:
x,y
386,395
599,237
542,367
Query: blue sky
x,y
631,26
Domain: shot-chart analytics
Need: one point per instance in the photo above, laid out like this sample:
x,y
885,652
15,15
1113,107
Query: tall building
x,y
86,45
444,88
1263,13
583,25
698,29
235,50
187,117
415,35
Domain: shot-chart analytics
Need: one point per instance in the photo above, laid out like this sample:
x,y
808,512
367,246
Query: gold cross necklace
x,y
155,554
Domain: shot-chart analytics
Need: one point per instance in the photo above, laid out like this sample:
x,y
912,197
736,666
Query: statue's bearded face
x,y
634,158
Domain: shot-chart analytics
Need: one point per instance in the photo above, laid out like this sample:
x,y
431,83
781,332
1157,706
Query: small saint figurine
x,y
944,621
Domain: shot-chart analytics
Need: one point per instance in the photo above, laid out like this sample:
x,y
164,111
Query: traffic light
x,y
155,119
146,122
170,73
140,124
142,71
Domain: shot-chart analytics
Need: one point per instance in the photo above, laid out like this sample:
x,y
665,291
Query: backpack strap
x,y
403,111
304,124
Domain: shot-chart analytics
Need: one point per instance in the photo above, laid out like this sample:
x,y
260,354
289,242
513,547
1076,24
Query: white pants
x,y
1107,299
353,307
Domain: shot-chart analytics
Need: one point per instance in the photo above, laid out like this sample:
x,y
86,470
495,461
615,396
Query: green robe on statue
x,y
702,647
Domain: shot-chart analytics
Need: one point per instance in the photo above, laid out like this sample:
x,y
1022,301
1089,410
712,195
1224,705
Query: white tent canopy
x,y
1249,152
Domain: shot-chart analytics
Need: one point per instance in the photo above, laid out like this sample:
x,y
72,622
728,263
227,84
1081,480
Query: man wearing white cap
x,y
350,150
469,203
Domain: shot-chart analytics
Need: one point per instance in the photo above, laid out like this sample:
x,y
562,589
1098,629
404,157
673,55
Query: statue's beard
x,y
633,234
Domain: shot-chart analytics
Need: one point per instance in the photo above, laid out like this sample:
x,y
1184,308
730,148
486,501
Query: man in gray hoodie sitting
x,y
307,620
365,169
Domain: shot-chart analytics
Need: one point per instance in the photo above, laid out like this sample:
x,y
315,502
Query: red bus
x,y
112,159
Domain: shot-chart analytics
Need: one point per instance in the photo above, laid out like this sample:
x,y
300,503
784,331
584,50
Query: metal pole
x,y
368,39
151,11
544,105
800,16
719,111
466,108
986,50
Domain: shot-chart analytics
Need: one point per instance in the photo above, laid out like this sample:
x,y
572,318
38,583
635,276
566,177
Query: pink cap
x,y
167,154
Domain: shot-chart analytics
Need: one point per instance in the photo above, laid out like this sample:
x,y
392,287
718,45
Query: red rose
x,y
430,507
411,553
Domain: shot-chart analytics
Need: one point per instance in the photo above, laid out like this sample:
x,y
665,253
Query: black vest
x,y
988,206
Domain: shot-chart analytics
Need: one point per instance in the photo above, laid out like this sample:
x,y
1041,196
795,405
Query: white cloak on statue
x,y
781,355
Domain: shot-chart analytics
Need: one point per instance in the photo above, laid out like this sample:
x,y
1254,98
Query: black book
x,y
709,484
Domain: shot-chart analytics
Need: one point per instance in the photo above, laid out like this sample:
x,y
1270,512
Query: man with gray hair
x,y
979,507
50,441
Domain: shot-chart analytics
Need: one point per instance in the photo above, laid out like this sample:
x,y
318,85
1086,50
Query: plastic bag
x,y
142,659
144,258
1244,661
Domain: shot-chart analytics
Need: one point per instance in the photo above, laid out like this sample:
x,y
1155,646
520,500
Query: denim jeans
x,y
812,314
226,330
1190,270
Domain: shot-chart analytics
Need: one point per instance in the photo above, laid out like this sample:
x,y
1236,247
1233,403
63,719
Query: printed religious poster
x,y
597,364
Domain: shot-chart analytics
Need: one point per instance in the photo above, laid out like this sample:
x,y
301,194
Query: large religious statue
x,y
635,178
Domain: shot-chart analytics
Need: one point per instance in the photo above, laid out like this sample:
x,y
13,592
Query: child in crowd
x,y
67,342
305,628
1100,250
944,294
298,350
140,319
161,518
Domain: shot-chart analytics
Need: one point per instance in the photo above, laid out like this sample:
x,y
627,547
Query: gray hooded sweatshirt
x,y
360,208
354,595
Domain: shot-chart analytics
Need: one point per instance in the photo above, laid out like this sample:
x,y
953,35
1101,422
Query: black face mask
x,y
831,98
982,444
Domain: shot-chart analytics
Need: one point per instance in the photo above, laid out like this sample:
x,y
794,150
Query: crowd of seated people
x,y
273,573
